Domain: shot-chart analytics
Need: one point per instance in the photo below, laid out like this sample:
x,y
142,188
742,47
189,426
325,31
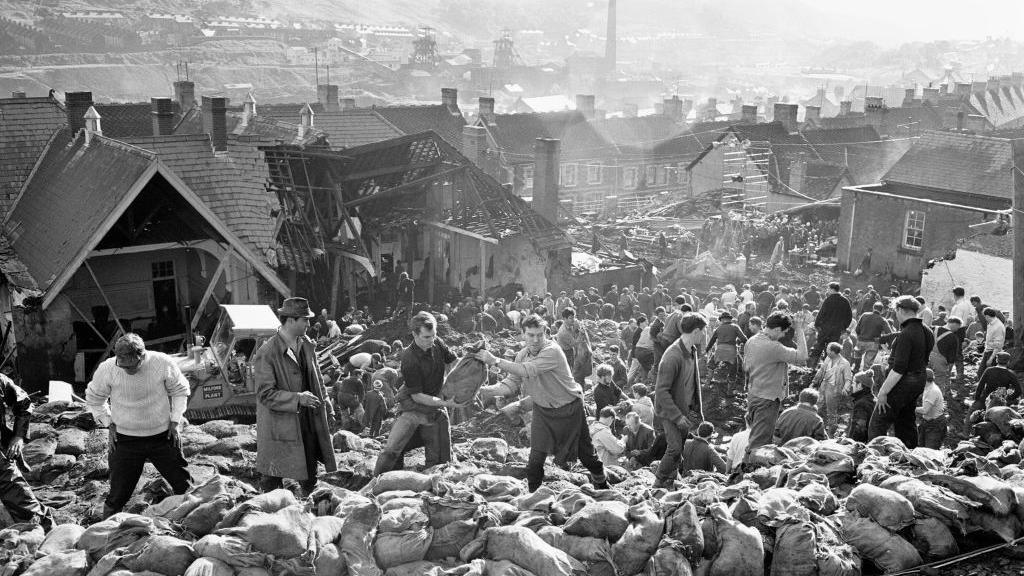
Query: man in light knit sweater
x,y
148,395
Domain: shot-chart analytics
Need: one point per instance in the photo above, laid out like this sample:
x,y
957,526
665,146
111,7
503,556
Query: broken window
x,y
913,230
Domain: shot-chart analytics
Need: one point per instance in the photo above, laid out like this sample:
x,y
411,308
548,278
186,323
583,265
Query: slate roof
x,y
867,155
515,134
822,178
643,132
1001,106
421,118
959,163
233,185
122,119
26,125
358,126
75,188
261,126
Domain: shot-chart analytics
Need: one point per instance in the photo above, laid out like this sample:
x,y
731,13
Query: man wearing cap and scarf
x,y
729,337
292,432
148,395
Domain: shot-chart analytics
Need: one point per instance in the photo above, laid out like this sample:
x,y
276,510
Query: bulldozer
x,y
221,375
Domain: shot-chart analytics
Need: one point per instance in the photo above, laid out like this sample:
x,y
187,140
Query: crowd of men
x,y
890,359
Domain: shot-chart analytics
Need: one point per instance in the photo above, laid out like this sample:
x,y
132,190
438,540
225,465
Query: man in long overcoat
x,y
292,433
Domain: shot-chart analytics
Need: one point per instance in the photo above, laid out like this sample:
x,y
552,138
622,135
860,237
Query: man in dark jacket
x,y
812,298
15,493
606,393
677,401
995,377
639,436
834,316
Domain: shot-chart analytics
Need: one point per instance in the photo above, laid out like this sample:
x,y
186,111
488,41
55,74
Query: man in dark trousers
x,y
292,431
423,412
834,316
15,493
993,378
870,327
541,373
677,401
897,397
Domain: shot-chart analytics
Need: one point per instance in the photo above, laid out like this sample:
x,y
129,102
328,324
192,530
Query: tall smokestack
x,y
609,45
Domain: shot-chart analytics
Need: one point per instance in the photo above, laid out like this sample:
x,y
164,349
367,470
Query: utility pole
x,y
1018,250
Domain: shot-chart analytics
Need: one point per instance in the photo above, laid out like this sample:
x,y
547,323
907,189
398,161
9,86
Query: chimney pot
x,y
249,107
215,121
546,168
450,99
162,112
185,94
584,104
673,108
77,104
786,114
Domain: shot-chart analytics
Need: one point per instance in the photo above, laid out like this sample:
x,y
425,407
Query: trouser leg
x,y
762,414
588,457
17,497
535,469
669,466
869,357
655,452
880,422
403,430
125,462
268,483
437,440
168,460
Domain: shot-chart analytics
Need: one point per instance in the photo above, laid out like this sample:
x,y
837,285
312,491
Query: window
x,y
595,173
652,175
663,175
568,175
682,174
528,176
629,177
913,230
163,269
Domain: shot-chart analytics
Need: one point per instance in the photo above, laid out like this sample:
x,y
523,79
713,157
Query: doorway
x,y
165,298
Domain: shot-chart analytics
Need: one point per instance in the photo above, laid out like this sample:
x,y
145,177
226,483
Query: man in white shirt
x,y
148,395
834,376
932,429
747,295
609,447
729,297
963,310
995,337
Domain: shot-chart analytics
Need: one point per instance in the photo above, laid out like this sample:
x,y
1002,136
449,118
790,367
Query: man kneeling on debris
x,y
559,425
15,493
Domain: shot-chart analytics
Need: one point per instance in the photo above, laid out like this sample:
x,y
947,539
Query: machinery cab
x,y
221,374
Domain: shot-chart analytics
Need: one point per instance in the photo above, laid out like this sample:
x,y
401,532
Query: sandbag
x,y
525,548
498,488
993,494
465,380
640,540
253,571
420,568
61,538
669,560
449,539
71,441
329,561
218,428
120,530
886,507
205,517
1001,417
494,449
770,455
161,553
740,551
1006,527
888,551
540,499
443,510
572,501
838,559
794,551
933,539
355,541
683,526
267,502
66,563
209,567
837,466
38,451
325,530
231,549
284,534
402,520
778,505
819,499
932,501
399,480
599,520
582,548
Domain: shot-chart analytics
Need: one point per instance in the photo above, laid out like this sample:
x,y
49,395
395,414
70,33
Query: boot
x,y
108,511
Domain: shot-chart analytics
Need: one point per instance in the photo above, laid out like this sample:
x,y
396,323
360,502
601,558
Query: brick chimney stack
x,y
812,114
963,90
474,145
327,96
215,121
450,99
76,104
487,109
162,113
874,110
546,159
908,96
673,108
185,94
930,96
845,108
748,114
585,105
769,107
786,114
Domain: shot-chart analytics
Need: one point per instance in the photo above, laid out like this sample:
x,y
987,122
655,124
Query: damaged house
x,y
355,219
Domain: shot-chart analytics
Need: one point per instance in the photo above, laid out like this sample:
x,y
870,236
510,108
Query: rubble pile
x,y
835,507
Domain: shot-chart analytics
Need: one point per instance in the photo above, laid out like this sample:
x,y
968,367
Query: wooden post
x,y
1018,257
211,287
104,295
335,285
483,267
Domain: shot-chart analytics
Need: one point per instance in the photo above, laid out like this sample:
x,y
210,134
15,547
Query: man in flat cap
x,y
292,433
148,395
